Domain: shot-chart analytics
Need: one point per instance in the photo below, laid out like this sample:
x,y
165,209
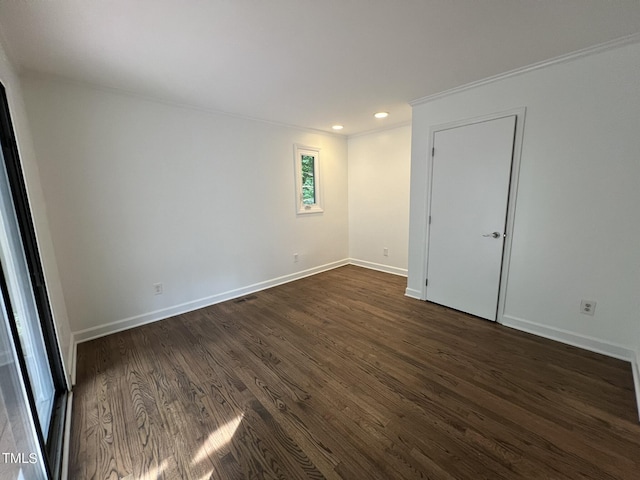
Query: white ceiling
x,y
310,63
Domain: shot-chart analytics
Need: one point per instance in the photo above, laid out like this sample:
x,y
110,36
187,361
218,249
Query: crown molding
x,y
407,123
602,47
37,75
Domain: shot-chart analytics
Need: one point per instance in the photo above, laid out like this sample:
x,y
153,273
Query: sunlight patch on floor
x,y
218,439
207,476
155,472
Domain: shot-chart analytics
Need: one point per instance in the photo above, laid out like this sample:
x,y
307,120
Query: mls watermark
x,y
19,458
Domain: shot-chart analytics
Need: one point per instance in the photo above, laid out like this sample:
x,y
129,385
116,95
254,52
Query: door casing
x,y
520,114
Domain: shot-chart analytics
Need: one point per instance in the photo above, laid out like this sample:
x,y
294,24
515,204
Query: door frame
x,y
520,114
53,447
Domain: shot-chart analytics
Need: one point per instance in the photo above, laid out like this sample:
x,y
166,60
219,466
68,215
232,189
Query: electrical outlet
x,y
588,307
157,289
295,258
385,251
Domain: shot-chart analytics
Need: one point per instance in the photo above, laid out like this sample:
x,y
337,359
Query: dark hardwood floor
x,y
340,376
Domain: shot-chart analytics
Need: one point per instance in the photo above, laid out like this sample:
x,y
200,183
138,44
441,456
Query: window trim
x,y
301,207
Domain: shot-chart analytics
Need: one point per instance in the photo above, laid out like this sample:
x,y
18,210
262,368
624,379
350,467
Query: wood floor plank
x,y
340,376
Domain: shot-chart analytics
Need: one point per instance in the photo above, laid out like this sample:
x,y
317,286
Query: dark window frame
x,y
54,445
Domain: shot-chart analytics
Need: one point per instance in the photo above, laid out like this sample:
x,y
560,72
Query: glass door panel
x,y
23,304
20,454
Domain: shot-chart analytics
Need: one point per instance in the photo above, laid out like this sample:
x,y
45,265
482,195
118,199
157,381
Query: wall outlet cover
x,y
588,307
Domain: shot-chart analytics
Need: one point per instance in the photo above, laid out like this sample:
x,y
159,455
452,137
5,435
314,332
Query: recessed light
x,y
381,115
337,127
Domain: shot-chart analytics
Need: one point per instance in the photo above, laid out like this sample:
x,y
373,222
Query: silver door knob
x,y
493,235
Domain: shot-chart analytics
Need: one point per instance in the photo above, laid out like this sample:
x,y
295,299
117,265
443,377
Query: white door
x,y
468,210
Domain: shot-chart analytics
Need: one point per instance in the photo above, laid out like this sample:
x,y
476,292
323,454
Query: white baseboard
x,y
545,331
570,338
69,362
66,442
138,320
74,359
581,341
410,292
635,366
379,267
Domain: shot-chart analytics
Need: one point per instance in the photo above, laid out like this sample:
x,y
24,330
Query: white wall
x,y
141,192
577,225
379,169
10,80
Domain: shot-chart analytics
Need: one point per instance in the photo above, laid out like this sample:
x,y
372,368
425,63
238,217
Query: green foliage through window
x,y
308,180
308,187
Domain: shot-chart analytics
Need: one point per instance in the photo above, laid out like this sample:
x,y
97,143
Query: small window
x,y
307,168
